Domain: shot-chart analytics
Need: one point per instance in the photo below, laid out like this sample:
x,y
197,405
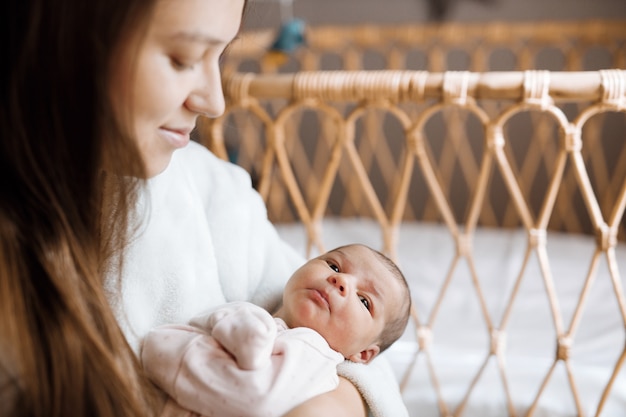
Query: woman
x,y
97,97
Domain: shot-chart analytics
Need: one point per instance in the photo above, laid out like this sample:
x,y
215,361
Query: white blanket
x,y
206,241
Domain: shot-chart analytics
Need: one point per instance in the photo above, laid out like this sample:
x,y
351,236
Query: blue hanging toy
x,y
289,38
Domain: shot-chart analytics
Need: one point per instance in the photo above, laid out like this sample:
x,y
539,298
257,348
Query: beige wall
x,y
266,13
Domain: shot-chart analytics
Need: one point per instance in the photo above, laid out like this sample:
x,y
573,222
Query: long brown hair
x,y
61,350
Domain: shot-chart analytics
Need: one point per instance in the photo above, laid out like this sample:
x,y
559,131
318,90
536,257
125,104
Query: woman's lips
x,y
178,138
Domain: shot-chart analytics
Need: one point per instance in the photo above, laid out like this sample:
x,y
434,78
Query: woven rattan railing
x,y
361,144
481,47
300,122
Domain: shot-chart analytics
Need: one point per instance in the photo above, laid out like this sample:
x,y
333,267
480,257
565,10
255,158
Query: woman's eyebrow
x,y
197,36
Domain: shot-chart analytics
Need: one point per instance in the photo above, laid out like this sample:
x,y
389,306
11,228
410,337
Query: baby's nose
x,y
340,282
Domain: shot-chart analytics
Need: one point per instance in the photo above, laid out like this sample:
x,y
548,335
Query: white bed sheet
x,y
460,336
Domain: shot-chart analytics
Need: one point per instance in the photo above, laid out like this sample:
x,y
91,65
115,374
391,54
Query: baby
x,y
349,303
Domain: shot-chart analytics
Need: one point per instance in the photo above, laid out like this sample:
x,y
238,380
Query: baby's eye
x,y
365,302
333,266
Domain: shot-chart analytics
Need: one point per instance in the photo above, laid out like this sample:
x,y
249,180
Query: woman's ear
x,y
366,355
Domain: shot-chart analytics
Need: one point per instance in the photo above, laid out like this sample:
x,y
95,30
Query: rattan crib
x,y
500,193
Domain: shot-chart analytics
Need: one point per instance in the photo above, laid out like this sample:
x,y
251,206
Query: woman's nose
x,y
207,98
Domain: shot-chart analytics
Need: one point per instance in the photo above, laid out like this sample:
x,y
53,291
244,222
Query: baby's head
x,y
354,296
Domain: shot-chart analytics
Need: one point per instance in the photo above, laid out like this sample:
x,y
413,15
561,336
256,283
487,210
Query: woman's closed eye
x,y
180,65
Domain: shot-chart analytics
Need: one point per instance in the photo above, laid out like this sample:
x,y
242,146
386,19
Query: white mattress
x,y
460,336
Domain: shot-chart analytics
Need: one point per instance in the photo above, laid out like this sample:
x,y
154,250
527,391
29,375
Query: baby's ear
x,y
366,355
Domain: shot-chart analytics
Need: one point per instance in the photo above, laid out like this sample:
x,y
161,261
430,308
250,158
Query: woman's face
x,y
166,77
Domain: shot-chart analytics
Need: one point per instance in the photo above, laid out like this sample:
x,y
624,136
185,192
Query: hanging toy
x,y
289,38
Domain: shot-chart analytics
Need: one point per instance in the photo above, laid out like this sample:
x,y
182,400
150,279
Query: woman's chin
x,y
155,166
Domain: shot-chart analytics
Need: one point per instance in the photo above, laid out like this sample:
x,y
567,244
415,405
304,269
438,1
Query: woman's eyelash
x,y
179,65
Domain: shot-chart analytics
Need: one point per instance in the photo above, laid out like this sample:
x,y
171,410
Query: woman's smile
x,y
177,137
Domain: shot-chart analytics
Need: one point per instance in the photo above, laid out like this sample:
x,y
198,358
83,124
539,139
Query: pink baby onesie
x,y
239,361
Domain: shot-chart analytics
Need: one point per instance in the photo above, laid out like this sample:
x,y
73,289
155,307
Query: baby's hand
x,y
246,331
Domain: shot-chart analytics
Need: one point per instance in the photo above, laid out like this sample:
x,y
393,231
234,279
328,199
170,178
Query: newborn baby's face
x,y
347,295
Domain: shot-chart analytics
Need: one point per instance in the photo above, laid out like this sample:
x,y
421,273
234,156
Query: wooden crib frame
x,y
362,143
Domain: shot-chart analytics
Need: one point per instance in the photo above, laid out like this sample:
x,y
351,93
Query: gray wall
x,y
267,13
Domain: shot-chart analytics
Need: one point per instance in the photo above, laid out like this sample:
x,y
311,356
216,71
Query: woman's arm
x,y
343,401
